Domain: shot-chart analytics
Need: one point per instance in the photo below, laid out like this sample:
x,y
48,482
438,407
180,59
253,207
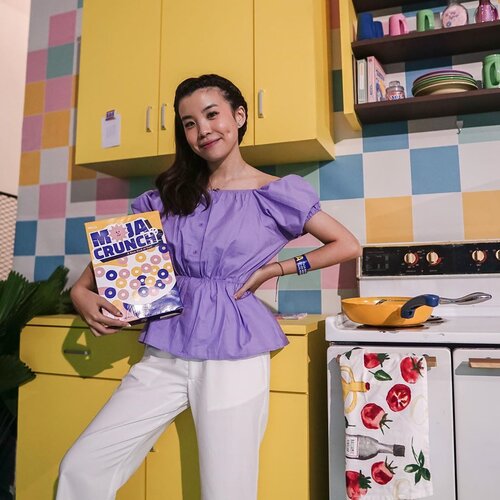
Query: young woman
x,y
225,221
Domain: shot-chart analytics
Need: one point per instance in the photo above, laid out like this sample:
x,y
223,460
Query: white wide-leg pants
x,y
229,401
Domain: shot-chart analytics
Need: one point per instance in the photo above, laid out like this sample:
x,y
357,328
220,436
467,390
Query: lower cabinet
x,y
77,373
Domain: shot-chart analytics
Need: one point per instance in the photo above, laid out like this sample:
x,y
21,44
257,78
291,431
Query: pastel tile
x,y
32,133
25,241
350,213
34,98
339,276
80,199
80,4
60,60
59,93
342,178
62,28
438,217
482,127
435,170
25,265
46,265
309,171
51,237
29,170
385,136
389,219
480,210
52,201
309,281
331,300
433,132
76,239
347,140
295,301
53,165
268,298
387,174
76,265
36,66
334,15
28,202
111,188
308,240
112,208
479,166
415,69
56,129
139,185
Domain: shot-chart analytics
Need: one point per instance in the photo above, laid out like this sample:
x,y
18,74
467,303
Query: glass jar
x,y
454,15
395,91
485,12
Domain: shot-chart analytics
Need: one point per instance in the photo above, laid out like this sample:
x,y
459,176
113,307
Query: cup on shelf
x,y
366,26
425,20
491,71
378,29
398,25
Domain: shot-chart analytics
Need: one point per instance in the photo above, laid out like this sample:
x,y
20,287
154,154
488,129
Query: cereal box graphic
x,y
132,266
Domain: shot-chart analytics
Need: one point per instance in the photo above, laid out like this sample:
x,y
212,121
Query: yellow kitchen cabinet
x,y
276,52
76,373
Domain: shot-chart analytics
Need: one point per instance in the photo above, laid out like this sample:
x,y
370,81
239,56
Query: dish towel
x,y
387,425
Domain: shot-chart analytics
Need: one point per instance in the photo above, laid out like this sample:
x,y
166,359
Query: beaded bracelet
x,y
302,264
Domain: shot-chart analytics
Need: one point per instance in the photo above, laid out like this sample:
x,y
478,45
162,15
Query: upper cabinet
x,y
134,54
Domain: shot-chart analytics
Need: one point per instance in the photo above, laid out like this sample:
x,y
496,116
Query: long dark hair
x,y
185,184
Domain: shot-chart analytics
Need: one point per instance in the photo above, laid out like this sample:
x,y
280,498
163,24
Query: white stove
x,y
463,342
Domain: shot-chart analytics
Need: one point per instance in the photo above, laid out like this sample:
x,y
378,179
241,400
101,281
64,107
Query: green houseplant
x,y
20,301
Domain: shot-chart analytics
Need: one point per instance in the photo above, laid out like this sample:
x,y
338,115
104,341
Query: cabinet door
x,y
477,413
53,411
172,466
119,70
291,72
199,38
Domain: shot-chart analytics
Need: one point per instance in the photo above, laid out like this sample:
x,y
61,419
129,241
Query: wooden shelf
x,y
365,5
430,44
413,108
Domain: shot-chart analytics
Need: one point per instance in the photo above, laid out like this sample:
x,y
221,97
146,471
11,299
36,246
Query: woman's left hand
x,y
257,278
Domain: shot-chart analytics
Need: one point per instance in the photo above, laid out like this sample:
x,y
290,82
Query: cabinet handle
x,y
162,117
490,363
260,104
148,118
84,352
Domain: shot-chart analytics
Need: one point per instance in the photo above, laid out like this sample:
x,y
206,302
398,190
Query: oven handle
x,y
431,361
488,363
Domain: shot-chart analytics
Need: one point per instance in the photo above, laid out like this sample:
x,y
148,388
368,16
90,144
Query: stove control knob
x,y
411,258
433,258
478,256
497,254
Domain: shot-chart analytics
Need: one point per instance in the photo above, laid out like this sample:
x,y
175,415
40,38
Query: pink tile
x,y
340,276
52,201
112,207
32,132
330,277
58,93
112,188
334,14
36,68
62,28
304,241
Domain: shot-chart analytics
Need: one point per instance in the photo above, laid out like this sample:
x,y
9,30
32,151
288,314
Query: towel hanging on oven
x,y
387,425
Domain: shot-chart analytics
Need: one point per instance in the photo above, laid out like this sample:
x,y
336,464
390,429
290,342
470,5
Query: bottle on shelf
x,y
366,447
485,12
455,14
395,91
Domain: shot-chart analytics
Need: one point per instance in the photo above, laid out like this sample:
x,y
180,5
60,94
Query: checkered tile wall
x,y
408,181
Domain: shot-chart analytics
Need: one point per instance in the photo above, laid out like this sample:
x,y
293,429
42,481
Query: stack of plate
x,y
443,82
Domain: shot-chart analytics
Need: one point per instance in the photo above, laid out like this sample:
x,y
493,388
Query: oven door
x,y
477,415
440,420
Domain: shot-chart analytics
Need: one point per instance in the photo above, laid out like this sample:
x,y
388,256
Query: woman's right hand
x,y
90,305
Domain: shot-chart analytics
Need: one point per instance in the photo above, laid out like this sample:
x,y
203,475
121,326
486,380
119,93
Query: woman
x,y
225,221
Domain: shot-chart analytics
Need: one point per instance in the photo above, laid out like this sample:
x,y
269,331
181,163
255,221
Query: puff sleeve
x,y
291,202
146,202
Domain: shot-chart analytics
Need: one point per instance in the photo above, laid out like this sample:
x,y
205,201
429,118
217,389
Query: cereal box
x,y
132,266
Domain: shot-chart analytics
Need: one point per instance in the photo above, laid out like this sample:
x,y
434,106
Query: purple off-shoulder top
x,y
214,251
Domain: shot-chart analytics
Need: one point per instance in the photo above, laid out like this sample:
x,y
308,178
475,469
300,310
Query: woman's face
x,y
210,125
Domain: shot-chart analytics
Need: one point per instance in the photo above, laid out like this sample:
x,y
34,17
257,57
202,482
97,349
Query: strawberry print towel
x,y
387,425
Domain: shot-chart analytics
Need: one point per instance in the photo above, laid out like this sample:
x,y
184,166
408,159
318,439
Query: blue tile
x,y
435,170
338,99
309,301
45,266
25,242
60,60
342,179
75,238
385,136
414,69
80,4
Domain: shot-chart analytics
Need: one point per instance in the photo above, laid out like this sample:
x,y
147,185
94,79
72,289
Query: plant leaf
x,y
411,468
421,458
426,474
418,476
13,372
